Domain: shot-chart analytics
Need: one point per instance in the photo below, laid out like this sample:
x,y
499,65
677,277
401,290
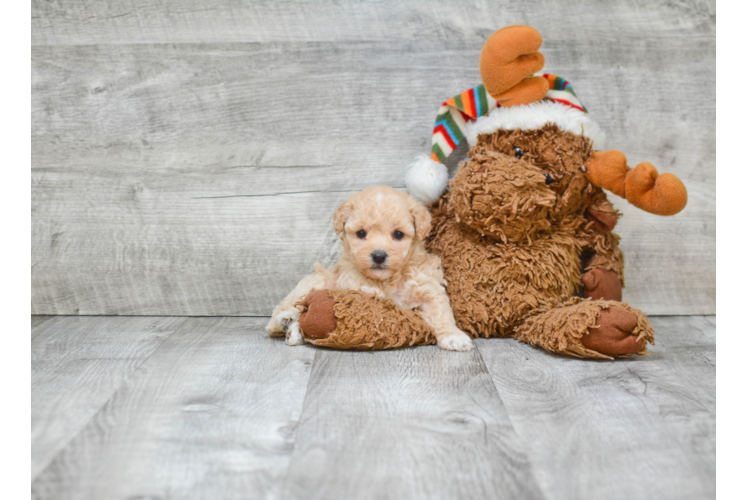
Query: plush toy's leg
x,y
599,329
355,320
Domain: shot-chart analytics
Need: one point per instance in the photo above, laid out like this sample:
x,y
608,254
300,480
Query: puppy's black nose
x,y
378,256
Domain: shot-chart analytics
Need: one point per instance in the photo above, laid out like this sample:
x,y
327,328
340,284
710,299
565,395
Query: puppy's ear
x,y
341,216
421,218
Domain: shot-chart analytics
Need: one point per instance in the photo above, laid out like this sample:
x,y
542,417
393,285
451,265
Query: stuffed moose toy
x,y
524,228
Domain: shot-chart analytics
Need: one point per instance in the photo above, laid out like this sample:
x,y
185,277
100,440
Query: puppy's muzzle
x,y
378,257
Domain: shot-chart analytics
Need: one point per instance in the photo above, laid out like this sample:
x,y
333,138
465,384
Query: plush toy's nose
x,y
378,256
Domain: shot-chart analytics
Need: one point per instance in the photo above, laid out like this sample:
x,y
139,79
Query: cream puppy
x,y
382,232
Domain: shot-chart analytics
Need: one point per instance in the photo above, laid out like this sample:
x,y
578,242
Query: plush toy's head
x,y
518,182
519,109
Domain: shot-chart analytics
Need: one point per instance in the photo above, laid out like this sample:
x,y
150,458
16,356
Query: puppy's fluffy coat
x,y
382,232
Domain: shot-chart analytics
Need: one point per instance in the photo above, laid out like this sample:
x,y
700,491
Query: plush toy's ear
x,y
341,216
421,218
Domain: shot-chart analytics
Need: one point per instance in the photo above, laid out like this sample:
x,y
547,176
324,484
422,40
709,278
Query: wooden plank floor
x,y
164,407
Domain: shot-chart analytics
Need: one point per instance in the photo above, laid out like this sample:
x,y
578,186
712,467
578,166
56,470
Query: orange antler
x,y
642,186
507,61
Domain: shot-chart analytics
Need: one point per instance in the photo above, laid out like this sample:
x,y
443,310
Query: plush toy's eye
x,y
361,234
398,235
518,152
548,179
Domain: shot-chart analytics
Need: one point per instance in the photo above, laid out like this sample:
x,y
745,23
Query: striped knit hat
x,y
475,112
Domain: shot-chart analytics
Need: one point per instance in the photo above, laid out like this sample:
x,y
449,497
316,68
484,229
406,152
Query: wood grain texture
x,y
211,414
220,410
639,428
37,321
412,423
187,158
151,21
76,365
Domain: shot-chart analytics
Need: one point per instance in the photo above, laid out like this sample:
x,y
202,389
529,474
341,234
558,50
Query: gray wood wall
x,y
187,156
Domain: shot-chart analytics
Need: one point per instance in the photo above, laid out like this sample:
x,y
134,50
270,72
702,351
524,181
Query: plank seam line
x,y
268,194
284,487
50,321
352,41
511,421
114,393
281,194
152,316
281,167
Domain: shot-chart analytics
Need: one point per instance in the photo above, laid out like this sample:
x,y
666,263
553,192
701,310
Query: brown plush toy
x,y
524,232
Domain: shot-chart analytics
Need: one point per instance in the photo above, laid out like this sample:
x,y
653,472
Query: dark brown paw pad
x,y
603,220
602,284
613,335
318,320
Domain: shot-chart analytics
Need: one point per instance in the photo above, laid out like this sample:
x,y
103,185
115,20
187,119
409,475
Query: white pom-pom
x,y
426,179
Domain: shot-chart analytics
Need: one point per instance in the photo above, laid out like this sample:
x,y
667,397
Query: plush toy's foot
x,y
318,320
352,319
598,329
602,284
613,333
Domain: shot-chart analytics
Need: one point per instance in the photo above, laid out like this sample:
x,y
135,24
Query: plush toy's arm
x,y
602,252
602,260
598,239
601,213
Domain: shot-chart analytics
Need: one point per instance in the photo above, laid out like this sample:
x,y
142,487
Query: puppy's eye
x,y
518,152
398,235
548,179
361,234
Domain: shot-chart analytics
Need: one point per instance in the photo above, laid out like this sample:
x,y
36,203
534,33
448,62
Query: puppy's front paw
x,y
279,323
293,335
376,292
457,341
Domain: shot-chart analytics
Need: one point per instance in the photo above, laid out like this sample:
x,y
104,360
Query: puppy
x,y
382,232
